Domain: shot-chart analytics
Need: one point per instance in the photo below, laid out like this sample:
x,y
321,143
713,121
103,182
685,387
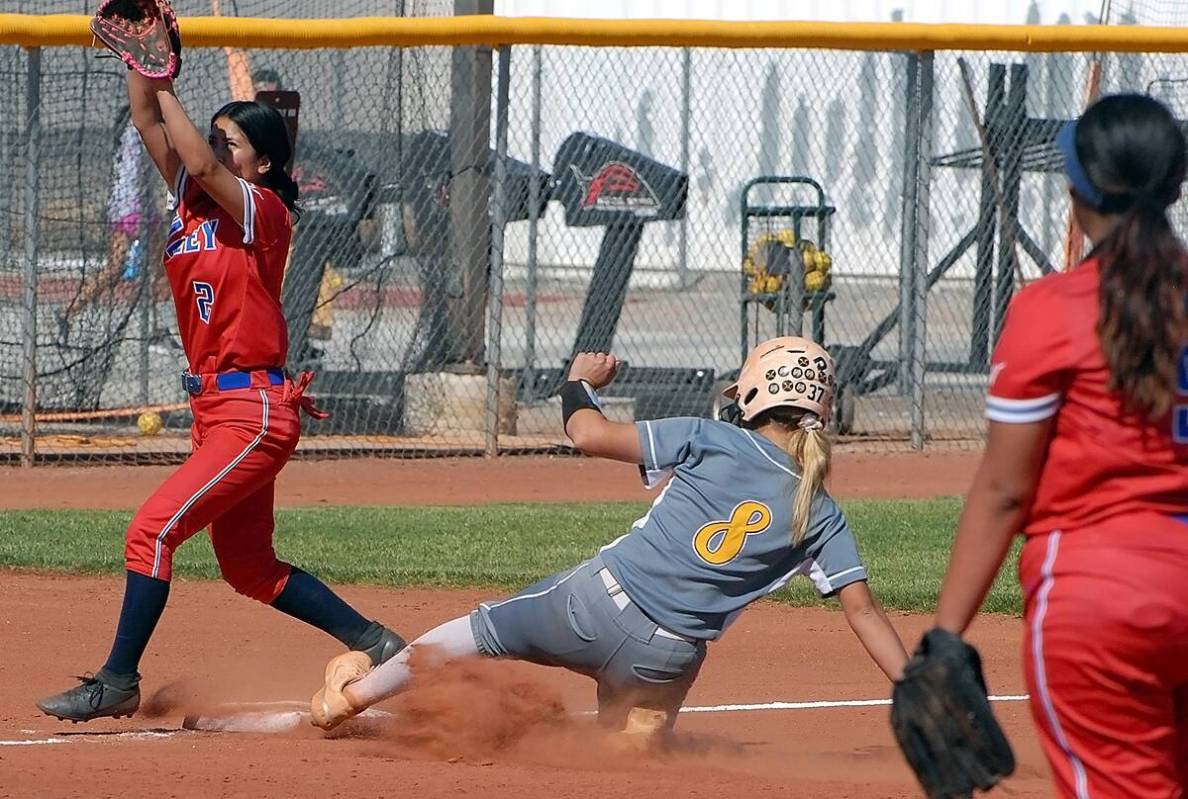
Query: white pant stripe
x,y
189,503
1041,673
549,590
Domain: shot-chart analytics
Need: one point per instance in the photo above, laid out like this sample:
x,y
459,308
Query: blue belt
x,y
229,381
1181,518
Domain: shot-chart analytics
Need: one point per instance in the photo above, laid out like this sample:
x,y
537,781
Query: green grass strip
x,y
905,545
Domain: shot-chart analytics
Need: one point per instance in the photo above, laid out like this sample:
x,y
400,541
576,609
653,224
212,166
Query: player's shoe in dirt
x,y
383,650
329,706
645,731
94,698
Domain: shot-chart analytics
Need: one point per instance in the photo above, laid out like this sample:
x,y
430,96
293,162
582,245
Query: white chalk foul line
x,y
134,735
244,720
817,705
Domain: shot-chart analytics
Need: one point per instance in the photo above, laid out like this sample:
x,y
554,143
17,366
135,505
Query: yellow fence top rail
x,y
68,29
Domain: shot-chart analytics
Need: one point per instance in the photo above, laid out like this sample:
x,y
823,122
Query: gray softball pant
x,y
581,620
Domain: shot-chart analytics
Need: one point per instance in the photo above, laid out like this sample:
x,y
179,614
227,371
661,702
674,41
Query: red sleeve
x,y
265,217
1032,364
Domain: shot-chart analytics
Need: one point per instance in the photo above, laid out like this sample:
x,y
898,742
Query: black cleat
x,y
383,650
94,698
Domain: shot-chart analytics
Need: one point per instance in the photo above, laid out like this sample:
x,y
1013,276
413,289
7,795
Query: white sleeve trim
x,y
178,188
651,448
827,584
249,212
1022,411
801,568
820,580
834,577
654,477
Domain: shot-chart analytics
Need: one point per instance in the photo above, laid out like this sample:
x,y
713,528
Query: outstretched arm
x,y
995,510
195,154
150,124
870,624
590,431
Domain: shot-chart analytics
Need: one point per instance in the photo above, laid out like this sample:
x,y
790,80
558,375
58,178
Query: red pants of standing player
x,y
1106,656
241,439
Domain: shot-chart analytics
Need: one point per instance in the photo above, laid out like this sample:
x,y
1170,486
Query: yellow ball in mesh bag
x,y
768,261
150,423
815,281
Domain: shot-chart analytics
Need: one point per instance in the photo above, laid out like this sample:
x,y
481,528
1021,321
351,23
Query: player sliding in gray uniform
x,y
743,513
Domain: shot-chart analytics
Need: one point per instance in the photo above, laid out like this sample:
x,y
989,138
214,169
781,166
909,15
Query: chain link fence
x,y
673,205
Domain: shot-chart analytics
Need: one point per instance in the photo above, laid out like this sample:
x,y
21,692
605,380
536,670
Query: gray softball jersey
x,y
719,535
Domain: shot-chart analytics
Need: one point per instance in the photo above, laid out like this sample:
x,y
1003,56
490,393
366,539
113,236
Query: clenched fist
x,y
596,368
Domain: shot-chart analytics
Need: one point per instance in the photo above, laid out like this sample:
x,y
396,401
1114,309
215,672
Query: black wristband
x,y
576,395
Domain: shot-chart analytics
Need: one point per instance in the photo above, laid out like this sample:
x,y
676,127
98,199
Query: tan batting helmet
x,y
785,372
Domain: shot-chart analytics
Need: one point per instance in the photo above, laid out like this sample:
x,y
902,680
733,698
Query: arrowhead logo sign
x,y
617,187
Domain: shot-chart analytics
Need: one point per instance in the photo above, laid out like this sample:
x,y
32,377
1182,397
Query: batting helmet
x,y
785,372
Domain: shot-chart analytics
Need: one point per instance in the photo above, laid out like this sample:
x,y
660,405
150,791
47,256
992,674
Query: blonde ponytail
x,y
811,450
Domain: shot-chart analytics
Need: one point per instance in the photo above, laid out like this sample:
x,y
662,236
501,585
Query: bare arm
x,y
150,124
870,624
195,154
590,431
594,434
995,510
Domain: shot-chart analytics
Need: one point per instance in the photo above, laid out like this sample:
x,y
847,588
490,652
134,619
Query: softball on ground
x,y
150,423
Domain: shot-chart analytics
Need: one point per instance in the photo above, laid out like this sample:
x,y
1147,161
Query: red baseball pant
x,y
241,440
1106,656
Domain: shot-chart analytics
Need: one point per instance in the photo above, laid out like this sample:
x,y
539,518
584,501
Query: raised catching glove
x,y
942,720
143,33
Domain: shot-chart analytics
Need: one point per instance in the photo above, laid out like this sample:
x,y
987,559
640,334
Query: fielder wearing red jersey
x,y
225,258
1087,456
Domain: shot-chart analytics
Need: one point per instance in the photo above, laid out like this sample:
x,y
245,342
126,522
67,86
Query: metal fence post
x,y
31,235
686,113
147,299
469,242
533,221
498,223
907,240
923,215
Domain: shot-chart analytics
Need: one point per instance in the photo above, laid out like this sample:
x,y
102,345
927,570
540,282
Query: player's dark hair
x,y
1134,151
265,129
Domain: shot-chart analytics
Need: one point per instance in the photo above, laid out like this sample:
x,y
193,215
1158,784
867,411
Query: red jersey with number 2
x,y
1100,463
226,279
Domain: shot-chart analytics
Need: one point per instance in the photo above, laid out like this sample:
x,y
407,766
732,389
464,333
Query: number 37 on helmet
x,y
785,372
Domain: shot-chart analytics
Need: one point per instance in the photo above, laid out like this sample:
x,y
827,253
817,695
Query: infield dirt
x,y
490,728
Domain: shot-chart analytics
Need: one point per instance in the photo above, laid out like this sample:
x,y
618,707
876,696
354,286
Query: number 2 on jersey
x,y
204,293
1180,411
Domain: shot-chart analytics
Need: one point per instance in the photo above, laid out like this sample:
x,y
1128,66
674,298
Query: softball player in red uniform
x,y
225,256
1088,456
